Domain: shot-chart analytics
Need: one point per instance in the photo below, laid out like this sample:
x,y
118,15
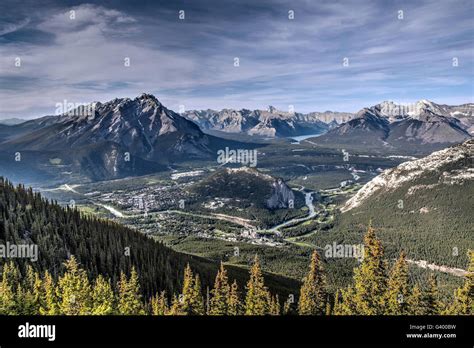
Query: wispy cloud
x,y
282,61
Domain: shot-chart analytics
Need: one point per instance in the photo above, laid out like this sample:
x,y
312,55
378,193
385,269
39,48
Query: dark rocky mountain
x,y
268,123
111,140
426,125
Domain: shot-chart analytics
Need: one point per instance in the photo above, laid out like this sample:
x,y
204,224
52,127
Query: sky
x,y
312,55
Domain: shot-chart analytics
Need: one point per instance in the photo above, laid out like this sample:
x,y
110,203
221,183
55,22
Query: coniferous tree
x,y
176,306
191,300
430,303
414,301
159,304
220,294
257,300
234,303
32,293
50,301
313,292
398,288
370,279
74,290
8,304
103,297
344,303
463,303
130,299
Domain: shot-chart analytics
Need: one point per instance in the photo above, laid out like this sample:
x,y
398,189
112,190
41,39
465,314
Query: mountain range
x,y
127,137
267,123
425,125
119,138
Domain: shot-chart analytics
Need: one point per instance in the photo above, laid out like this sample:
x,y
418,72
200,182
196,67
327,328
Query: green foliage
x,y
219,304
257,301
313,291
129,302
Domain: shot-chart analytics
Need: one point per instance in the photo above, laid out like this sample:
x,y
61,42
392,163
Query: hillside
x,y
101,246
422,206
248,193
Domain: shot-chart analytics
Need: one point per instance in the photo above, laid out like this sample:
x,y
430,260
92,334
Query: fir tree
x,y
414,301
176,306
370,279
234,304
398,288
257,300
191,300
50,301
463,303
159,304
7,291
430,304
130,299
103,297
220,294
344,302
74,290
313,292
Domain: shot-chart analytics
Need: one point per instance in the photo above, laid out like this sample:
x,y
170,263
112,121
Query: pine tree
x,y
313,292
344,302
398,288
176,306
463,303
415,302
191,300
430,304
74,290
103,297
257,300
220,294
159,304
234,304
370,279
130,299
32,292
50,301
8,304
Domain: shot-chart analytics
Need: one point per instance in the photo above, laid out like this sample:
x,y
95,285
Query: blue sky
x,y
190,62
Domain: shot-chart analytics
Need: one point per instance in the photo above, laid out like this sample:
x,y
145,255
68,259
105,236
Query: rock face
x,y
282,196
268,123
450,166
